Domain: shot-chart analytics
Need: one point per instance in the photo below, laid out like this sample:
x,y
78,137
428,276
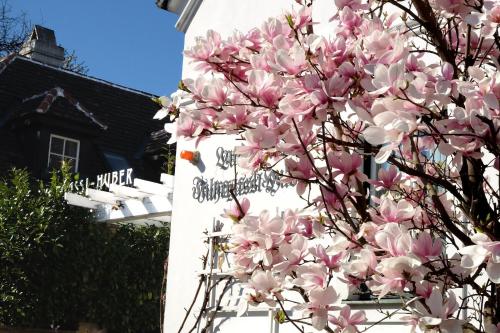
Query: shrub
x,y
59,267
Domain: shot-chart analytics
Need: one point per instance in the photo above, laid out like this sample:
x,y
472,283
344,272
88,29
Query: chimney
x,y
41,46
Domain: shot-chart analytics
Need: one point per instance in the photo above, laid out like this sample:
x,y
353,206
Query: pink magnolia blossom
x,y
235,117
389,128
251,248
367,232
387,79
264,282
292,61
437,314
308,227
271,228
393,212
295,105
332,199
273,28
394,274
424,288
257,139
302,17
387,178
447,71
347,165
452,6
494,15
170,106
257,239
311,276
263,288
205,48
363,265
321,301
353,4
265,86
260,138
213,90
350,19
347,321
332,261
293,253
395,239
237,212
485,250
301,171
293,146
184,127
425,247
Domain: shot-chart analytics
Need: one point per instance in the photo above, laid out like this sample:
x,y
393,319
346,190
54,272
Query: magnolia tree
x,y
389,129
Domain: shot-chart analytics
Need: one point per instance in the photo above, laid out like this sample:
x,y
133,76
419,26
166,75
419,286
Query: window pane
x,y
70,149
54,162
56,145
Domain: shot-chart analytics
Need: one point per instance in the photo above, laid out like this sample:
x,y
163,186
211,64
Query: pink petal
x,y
375,135
493,271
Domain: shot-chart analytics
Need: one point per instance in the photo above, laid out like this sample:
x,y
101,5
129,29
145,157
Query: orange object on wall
x,y
191,156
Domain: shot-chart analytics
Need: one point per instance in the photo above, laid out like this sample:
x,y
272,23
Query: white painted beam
x,y
104,197
146,204
152,188
128,192
81,201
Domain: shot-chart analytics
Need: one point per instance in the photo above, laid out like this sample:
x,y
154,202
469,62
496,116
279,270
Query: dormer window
x,y
63,149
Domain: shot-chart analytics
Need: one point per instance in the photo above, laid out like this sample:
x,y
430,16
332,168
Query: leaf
x,y
289,19
280,316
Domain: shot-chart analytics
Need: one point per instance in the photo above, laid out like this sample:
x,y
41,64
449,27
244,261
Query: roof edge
x,y
187,15
11,58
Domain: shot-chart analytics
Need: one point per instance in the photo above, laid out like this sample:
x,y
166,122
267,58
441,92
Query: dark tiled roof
x,y
51,99
126,113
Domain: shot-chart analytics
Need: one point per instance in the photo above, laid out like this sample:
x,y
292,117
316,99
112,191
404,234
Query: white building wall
x,y
191,218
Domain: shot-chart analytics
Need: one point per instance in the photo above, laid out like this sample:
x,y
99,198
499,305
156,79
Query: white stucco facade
x,y
192,216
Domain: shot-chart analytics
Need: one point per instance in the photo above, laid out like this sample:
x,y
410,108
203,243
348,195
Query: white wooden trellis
x,y
146,203
214,271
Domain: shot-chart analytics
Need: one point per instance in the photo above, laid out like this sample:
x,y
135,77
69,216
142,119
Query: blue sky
x,y
128,42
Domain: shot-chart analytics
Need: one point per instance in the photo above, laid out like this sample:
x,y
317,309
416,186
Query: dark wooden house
x,y
48,114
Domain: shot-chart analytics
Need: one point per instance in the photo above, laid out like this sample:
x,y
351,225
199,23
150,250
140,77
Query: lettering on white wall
x,y
213,189
225,158
120,177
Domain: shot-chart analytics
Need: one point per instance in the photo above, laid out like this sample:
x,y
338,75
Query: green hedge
x,y
58,267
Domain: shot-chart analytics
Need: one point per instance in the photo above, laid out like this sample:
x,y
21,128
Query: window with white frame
x,y
63,149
